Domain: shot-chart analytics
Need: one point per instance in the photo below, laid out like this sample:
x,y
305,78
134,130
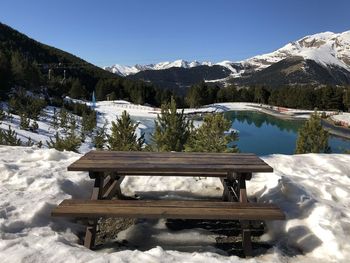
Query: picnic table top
x,y
163,163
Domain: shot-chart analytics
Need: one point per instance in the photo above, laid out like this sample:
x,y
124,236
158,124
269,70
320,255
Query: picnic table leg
x,y
229,183
225,194
90,234
112,187
246,235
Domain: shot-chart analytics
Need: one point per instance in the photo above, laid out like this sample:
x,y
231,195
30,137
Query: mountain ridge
x,y
327,49
294,48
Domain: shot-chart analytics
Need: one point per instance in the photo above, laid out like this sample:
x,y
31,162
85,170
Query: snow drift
x,y
313,190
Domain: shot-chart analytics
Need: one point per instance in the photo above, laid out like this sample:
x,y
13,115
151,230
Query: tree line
x,y
302,97
18,71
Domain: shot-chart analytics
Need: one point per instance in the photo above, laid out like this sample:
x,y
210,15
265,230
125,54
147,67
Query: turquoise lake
x,y
264,134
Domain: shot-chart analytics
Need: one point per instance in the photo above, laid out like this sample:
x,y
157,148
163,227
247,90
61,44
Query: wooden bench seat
x,y
168,209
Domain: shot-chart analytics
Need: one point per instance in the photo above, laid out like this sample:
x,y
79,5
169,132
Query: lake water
x,y
259,133
264,134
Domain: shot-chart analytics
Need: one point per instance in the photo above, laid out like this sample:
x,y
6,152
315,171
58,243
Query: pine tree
x,y
24,122
228,93
261,95
72,122
34,127
312,138
99,140
13,105
9,116
5,74
77,90
172,129
200,94
9,137
123,137
212,136
18,67
63,118
88,122
34,107
54,121
2,114
346,99
112,96
29,143
70,143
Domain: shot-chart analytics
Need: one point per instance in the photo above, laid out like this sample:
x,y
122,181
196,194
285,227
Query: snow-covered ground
x,y
343,117
313,190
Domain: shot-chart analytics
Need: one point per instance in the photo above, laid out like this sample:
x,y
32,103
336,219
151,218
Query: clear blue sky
x,y
106,32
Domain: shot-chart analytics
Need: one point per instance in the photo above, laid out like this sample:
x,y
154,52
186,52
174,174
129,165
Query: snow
x,y
227,64
343,117
129,70
108,111
44,133
313,190
325,48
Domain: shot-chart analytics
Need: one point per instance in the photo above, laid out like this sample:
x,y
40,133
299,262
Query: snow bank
x,y
343,118
313,190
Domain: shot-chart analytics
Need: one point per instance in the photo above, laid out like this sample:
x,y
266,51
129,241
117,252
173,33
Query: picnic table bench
x,y
108,168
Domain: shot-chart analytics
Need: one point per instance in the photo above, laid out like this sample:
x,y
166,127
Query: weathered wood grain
x,y
168,209
179,163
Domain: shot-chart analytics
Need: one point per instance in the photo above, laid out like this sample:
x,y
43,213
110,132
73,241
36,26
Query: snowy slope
x,y
313,190
327,49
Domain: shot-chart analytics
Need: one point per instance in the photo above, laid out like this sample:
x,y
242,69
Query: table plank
x,y
126,168
176,162
170,161
166,154
167,203
166,209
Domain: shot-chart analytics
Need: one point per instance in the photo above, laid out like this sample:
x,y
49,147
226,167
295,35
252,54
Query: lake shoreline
x,y
292,114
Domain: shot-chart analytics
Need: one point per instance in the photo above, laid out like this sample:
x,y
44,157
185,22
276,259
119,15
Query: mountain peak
x,y
326,48
129,70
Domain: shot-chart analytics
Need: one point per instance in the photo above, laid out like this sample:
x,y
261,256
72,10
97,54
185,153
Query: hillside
x,y
179,78
296,71
26,64
45,57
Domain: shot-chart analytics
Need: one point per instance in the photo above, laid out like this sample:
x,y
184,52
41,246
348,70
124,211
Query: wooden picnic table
x,y
108,168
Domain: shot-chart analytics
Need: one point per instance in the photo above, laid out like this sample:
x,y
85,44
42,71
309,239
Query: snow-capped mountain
x,y
322,58
129,70
327,49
